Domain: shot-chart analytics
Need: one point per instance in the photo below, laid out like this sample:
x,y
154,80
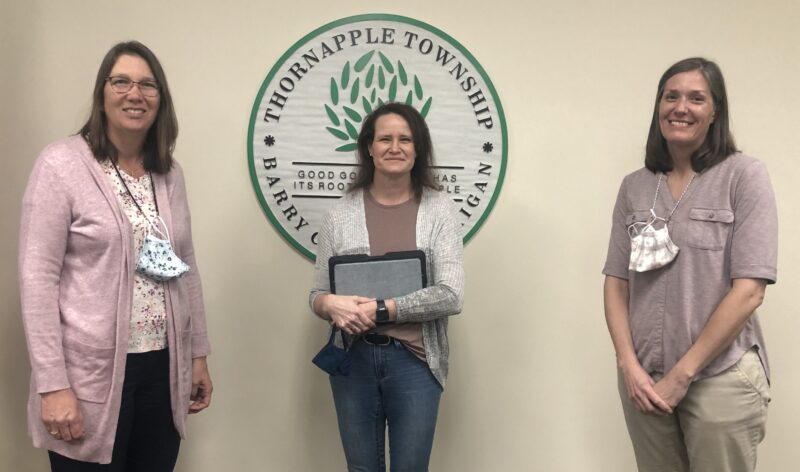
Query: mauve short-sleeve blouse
x,y
726,227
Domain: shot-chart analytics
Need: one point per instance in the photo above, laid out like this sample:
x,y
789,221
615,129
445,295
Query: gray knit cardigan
x,y
439,236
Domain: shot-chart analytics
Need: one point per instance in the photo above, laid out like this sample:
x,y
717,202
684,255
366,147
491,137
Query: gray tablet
x,y
392,275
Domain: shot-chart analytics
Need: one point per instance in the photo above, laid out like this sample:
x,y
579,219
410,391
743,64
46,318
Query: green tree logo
x,y
375,81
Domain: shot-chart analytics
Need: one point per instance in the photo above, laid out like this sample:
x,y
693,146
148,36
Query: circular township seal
x,y
301,141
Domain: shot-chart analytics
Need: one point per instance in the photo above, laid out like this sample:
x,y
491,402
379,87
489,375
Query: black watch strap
x,y
381,313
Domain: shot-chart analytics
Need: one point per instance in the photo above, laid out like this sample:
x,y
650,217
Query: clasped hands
x,y
350,313
655,398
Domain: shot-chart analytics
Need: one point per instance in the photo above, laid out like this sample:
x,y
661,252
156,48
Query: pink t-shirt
x,y
394,228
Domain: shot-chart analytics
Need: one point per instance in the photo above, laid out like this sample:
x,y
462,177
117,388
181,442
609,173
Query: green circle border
x,y
357,19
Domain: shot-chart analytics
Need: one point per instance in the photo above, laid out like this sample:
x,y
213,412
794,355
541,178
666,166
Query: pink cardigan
x,y
76,266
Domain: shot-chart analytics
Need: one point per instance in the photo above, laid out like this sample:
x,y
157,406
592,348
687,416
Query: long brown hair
x,y
719,143
160,140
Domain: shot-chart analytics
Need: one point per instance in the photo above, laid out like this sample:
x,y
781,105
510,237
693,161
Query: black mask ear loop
x,y
161,264
152,188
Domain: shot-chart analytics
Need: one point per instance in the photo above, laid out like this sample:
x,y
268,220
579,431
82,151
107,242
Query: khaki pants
x,y
716,428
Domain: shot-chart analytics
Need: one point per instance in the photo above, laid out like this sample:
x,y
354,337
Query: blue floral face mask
x,y
157,259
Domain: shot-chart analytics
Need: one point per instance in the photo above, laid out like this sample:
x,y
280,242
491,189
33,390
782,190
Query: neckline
x,y
131,177
108,163
372,199
671,202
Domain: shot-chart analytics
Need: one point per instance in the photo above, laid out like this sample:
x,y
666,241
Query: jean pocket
x,y
89,370
709,228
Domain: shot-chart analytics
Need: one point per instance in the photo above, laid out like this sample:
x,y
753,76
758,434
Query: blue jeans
x,y
386,385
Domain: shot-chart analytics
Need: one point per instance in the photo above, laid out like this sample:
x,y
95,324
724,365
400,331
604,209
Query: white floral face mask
x,y
652,248
157,259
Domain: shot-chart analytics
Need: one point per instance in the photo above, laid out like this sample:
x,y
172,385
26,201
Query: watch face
x,y
382,313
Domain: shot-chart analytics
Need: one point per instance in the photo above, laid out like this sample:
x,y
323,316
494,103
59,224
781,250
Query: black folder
x,y
392,275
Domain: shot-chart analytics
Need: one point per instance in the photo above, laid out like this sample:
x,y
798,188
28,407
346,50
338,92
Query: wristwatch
x,y
382,313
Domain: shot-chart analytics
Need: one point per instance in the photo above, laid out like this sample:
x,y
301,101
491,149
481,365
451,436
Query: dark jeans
x,y
386,385
146,438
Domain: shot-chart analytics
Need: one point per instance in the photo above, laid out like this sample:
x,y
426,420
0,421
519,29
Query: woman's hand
x,y
642,391
61,415
638,382
672,388
348,312
201,386
722,328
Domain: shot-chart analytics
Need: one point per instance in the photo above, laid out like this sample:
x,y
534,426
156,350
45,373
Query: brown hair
x,y
421,173
718,144
160,140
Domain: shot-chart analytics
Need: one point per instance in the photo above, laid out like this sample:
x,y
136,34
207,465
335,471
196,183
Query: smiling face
x,y
392,149
130,113
685,111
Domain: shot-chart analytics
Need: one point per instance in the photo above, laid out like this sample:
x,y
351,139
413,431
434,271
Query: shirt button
x,y
711,214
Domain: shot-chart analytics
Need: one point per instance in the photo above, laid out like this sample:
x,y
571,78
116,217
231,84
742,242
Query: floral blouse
x,y
148,330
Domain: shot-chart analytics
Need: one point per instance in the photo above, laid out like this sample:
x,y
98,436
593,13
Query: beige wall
x,y
532,384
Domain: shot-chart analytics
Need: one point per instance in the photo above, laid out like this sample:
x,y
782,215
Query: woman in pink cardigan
x,y
113,317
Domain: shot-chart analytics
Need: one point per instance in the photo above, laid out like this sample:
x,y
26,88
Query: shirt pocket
x,y
709,228
89,369
636,221
637,216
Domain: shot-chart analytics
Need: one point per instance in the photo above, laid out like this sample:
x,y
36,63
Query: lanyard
x,y
152,187
658,187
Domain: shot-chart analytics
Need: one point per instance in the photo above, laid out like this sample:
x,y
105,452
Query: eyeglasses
x,y
148,88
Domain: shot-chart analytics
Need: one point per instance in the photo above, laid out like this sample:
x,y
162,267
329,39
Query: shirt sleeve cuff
x,y
51,379
200,345
770,274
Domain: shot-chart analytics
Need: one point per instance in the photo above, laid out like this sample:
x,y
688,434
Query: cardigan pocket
x,y
89,369
709,228
185,366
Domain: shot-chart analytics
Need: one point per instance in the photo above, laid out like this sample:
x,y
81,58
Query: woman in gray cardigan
x,y
398,347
